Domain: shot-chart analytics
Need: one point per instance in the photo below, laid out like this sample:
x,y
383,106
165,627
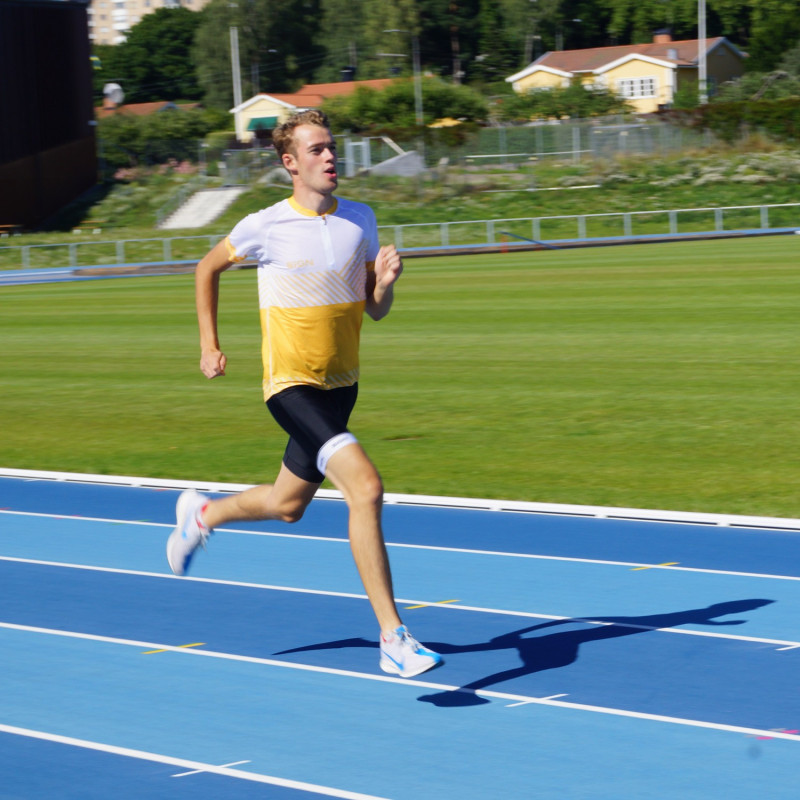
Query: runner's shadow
x,y
555,650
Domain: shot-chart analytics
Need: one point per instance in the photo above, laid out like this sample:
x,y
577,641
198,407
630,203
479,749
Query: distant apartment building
x,y
110,20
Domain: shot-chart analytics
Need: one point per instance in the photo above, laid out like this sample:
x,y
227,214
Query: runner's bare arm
x,y
207,275
380,283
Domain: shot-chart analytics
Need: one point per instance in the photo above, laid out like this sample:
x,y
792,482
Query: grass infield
x,y
652,376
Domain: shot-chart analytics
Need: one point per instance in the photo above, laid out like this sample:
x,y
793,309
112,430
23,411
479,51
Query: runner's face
x,y
314,158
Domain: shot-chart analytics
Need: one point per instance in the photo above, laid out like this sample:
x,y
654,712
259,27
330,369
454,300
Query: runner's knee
x,y
291,511
356,477
368,489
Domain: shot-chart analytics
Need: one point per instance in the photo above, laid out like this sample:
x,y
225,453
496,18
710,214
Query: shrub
x,y
575,101
129,141
731,121
394,109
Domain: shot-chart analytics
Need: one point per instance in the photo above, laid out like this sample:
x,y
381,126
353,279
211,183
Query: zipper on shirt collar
x,y
326,241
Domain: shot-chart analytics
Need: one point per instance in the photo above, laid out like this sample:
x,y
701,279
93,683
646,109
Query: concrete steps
x,y
202,208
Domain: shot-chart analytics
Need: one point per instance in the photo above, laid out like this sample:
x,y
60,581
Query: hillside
x,y
720,177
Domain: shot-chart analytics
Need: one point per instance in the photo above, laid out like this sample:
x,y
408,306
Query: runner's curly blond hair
x,y
283,135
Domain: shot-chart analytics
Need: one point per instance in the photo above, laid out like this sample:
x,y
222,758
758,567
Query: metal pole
x,y
237,76
417,80
415,61
702,67
235,70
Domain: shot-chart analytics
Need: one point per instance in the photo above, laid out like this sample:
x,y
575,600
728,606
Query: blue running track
x,y
584,657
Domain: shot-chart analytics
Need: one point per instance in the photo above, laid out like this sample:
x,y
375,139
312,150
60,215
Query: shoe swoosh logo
x,y
394,661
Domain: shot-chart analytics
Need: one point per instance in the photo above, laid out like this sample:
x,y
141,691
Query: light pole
x,y
702,64
235,68
236,74
417,73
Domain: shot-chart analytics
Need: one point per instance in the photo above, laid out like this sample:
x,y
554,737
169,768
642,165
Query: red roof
x,y
142,109
313,94
342,87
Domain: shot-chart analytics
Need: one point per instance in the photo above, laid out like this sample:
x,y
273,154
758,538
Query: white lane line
x,y
169,576
528,702
201,771
435,548
186,764
416,683
570,559
463,503
455,606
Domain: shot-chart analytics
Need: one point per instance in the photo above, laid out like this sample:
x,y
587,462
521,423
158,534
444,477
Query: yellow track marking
x,y
427,605
195,644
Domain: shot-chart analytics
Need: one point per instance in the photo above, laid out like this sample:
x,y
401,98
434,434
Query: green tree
x,y
582,23
529,27
378,18
765,28
278,49
342,36
495,59
212,54
731,18
392,110
448,36
154,62
791,61
635,21
775,31
534,28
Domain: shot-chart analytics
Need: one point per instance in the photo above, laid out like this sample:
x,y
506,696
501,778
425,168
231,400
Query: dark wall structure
x,y
47,135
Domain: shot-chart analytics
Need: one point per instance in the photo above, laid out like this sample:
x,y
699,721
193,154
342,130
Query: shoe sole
x,y
390,667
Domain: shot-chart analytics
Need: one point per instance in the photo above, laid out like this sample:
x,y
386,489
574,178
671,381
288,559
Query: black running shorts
x,y
311,417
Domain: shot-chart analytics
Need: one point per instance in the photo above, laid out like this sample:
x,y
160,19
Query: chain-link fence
x,y
568,140
575,140
465,145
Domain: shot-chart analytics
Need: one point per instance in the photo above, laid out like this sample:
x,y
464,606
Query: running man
x,y
319,268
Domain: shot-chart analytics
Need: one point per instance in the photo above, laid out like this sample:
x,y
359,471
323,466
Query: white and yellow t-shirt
x,y
312,271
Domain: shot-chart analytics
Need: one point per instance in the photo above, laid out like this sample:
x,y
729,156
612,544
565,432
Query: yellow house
x,y
646,75
260,114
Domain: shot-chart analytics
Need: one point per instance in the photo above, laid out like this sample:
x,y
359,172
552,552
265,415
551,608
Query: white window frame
x,y
636,88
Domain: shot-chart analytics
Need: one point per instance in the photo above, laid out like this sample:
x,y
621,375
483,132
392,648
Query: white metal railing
x,y
628,224
589,226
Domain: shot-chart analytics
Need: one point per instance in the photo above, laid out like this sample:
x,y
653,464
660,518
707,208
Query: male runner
x,y
319,268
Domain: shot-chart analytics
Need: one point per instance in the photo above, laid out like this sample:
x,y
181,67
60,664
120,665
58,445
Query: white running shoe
x,y
190,533
403,655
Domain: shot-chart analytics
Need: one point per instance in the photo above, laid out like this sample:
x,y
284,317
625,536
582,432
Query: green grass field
x,y
656,376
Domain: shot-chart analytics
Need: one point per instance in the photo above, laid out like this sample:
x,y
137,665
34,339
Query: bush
x,y
368,111
759,86
777,118
575,101
220,140
169,135
732,121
